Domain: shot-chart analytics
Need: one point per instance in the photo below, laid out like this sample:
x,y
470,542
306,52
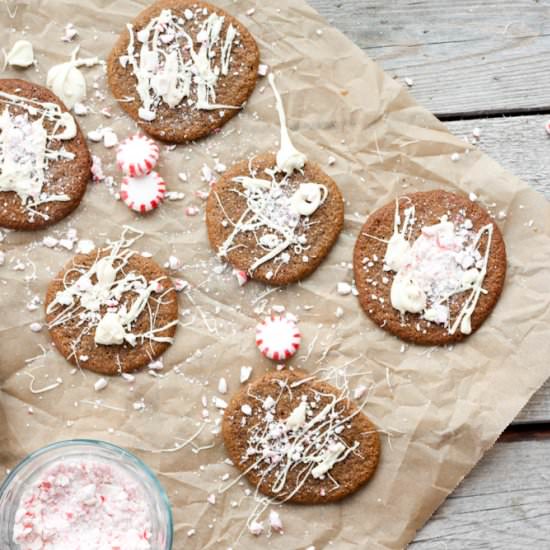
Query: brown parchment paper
x,y
439,410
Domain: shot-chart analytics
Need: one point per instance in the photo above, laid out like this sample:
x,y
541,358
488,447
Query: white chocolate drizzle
x,y
67,81
20,55
444,261
288,157
340,377
276,209
169,69
98,298
308,443
26,147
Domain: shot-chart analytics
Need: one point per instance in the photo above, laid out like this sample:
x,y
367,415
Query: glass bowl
x,y
26,472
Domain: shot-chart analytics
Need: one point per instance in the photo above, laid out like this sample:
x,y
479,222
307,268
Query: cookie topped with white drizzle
x,y
112,310
275,216
299,439
183,68
430,267
44,160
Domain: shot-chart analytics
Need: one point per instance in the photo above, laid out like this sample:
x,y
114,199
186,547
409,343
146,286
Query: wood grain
x,y
520,144
463,56
503,503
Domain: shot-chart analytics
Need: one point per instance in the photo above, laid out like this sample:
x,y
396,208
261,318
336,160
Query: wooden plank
x,y
520,144
503,503
464,56
538,409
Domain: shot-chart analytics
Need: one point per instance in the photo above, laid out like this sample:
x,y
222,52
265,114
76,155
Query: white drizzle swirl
x,y
26,147
275,206
98,298
168,68
443,261
309,442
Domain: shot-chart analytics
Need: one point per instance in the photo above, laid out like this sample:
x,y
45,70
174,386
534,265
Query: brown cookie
x,y
73,326
60,182
441,275
313,236
335,447
233,80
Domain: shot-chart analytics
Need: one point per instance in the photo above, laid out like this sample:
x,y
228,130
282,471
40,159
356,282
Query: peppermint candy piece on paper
x,y
143,194
278,337
137,156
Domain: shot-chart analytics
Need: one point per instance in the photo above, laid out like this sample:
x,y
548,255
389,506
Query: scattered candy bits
x,y
137,156
143,194
278,337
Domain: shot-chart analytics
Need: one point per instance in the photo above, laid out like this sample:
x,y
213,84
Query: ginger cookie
x,y
254,223
44,160
276,216
183,68
112,310
430,267
299,439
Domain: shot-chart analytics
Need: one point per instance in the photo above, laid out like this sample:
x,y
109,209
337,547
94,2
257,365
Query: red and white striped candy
x,y
137,156
143,194
278,337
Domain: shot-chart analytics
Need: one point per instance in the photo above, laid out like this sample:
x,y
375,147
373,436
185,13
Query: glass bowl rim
x,y
102,445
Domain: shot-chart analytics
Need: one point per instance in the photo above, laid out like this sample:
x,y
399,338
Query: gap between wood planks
x,y
522,432
472,115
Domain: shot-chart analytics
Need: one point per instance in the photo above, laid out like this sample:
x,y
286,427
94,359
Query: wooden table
x,y
478,64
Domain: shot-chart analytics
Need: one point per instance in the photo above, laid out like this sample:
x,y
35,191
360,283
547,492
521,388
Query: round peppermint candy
x,y
278,337
143,194
137,156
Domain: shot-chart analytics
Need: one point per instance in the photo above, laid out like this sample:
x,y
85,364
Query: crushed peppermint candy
x,y
445,260
35,327
70,33
275,521
241,276
343,288
222,385
83,503
101,384
246,372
